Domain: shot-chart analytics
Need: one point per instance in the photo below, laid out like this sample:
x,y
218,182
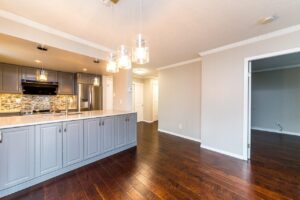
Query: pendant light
x,y
124,58
42,75
140,53
112,66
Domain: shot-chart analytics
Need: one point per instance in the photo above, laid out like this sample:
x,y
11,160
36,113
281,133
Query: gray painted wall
x,y
222,108
179,100
276,99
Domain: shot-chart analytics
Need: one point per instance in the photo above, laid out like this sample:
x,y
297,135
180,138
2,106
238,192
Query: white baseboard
x,y
241,157
179,135
275,131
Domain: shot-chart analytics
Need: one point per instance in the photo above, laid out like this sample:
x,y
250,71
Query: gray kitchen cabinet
x,y
16,156
28,73
107,129
10,78
65,83
72,142
0,78
131,128
48,148
92,137
52,76
120,132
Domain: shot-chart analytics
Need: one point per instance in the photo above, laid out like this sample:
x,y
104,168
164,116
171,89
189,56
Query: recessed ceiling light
x,y
140,71
84,69
37,61
267,20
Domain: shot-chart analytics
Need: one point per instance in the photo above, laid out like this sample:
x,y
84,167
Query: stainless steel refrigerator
x,y
89,97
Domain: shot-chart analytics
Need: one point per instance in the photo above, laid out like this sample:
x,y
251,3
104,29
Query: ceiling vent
x,y
42,47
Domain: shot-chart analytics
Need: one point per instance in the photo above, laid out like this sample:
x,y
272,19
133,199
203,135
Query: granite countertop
x,y
18,121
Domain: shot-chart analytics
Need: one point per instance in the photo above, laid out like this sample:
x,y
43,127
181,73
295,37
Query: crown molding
x,y
180,64
263,37
22,20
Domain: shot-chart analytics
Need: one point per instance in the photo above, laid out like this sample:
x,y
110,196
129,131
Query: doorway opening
x,y
138,100
273,109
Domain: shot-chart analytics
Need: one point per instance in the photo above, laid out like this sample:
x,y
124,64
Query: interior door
x,y
155,99
138,95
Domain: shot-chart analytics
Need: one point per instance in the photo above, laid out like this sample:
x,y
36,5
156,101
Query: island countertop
x,y
27,120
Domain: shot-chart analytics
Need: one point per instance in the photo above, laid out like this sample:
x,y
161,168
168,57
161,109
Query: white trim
x,y
275,131
247,113
180,64
277,68
178,135
277,33
50,30
223,152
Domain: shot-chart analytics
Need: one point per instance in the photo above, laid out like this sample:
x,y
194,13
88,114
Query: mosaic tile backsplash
x,y
19,102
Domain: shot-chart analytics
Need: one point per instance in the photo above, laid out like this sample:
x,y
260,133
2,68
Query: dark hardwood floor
x,y
168,167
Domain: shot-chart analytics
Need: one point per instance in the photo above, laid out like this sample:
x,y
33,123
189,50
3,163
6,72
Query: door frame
x,y
247,96
134,83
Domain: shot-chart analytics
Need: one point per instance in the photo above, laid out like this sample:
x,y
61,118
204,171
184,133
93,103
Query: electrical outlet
x,y
180,126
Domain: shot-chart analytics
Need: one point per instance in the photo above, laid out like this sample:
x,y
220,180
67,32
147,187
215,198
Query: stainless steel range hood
x,y
39,87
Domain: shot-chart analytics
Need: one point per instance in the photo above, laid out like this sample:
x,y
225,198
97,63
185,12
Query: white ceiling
x,y
24,53
177,30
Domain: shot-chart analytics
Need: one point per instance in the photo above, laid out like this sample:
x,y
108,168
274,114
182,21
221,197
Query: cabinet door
x,y
92,135
48,148
65,83
131,128
16,156
72,142
10,78
120,133
28,73
108,143
52,76
0,77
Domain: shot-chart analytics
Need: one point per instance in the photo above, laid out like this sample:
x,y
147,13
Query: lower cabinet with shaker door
x,y
72,142
131,128
108,133
16,156
120,132
92,138
48,147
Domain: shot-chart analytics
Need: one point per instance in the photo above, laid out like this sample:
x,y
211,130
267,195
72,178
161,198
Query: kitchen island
x,y
36,148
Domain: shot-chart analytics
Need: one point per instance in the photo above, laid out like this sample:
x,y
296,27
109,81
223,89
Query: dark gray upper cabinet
x,y
65,83
10,78
52,76
0,77
28,73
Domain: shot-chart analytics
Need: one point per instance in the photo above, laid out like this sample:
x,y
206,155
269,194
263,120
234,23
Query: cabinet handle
x,y
59,130
102,123
1,137
65,130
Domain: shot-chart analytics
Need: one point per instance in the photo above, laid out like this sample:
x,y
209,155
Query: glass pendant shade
x,y
124,58
140,53
41,75
112,66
